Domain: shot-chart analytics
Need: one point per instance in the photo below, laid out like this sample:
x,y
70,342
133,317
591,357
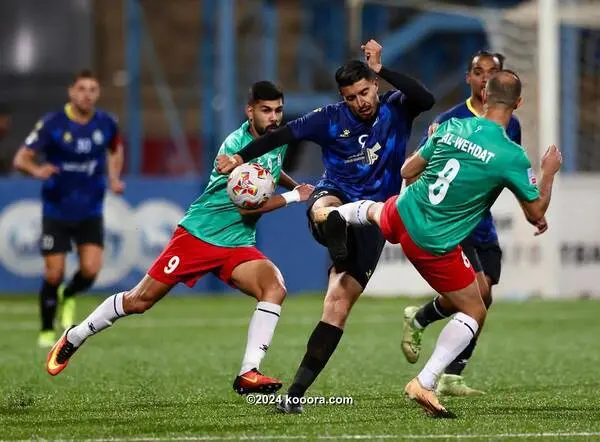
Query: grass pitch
x,y
167,375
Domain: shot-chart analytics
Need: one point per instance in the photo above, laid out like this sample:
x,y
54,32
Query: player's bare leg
x,y
90,263
342,293
262,280
136,301
333,229
54,270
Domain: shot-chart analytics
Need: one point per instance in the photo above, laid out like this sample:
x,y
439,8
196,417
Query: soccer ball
x,y
250,185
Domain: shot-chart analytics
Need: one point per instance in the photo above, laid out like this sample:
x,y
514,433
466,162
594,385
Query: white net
x,y
564,261
514,31
516,35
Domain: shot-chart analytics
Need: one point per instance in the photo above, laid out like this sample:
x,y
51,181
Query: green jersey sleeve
x,y
520,179
426,151
230,146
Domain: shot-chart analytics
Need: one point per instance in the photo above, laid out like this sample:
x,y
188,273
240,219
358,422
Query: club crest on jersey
x,y
98,137
369,154
345,133
67,137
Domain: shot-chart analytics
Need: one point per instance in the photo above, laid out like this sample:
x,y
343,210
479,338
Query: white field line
x,y
345,437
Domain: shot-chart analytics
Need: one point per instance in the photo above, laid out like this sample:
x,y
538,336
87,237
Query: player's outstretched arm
x,y
536,209
24,162
417,95
300,193
255,149
413,167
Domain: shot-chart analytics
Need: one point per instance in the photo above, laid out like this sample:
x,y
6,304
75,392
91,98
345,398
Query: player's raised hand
x,y
552,160
305,191
117,186
542,226
45,171
372,51
226,163
431,129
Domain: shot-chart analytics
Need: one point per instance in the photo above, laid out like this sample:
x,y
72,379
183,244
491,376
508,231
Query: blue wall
x,y
137,227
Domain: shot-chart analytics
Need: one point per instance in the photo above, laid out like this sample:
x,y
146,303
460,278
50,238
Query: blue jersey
x,y
79,151
362,159
485,232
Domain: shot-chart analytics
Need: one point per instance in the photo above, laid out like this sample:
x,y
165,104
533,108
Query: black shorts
x,y
486,258
365,243
57,235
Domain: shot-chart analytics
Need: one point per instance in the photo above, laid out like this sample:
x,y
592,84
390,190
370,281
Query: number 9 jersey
x,y
470,161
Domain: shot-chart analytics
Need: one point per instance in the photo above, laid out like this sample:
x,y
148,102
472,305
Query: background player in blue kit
x,y
80,146
481,247
363,140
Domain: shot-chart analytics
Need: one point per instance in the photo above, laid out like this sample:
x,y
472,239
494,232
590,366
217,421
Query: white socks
x,y
356,213
103,317
453,339
260,333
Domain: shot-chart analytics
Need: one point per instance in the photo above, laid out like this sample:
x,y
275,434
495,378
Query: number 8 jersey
x,y
470,161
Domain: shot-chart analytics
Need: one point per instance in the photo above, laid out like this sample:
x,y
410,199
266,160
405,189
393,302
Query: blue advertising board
x,y
137,227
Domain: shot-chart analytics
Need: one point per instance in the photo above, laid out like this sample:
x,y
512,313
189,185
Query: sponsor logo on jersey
x,y
371,154
87,167
367,155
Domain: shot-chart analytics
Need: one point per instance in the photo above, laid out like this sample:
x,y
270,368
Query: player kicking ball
x,y
214,236
363,141
464,166
481,246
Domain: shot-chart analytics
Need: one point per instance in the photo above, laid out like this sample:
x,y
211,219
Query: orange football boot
x,y
254,381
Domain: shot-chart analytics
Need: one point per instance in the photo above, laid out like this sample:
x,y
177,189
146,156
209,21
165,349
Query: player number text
x,y
438,190
171,265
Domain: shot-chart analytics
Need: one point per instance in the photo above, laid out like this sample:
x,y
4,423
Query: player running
x,y
363,140
481,246
81,144
464,166
214,237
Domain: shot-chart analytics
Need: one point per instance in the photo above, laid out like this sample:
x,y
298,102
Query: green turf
x,y
168,374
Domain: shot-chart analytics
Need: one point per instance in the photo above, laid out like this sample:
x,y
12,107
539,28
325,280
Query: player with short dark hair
x,y
481,246
462,169
363,140
215,237
80,145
